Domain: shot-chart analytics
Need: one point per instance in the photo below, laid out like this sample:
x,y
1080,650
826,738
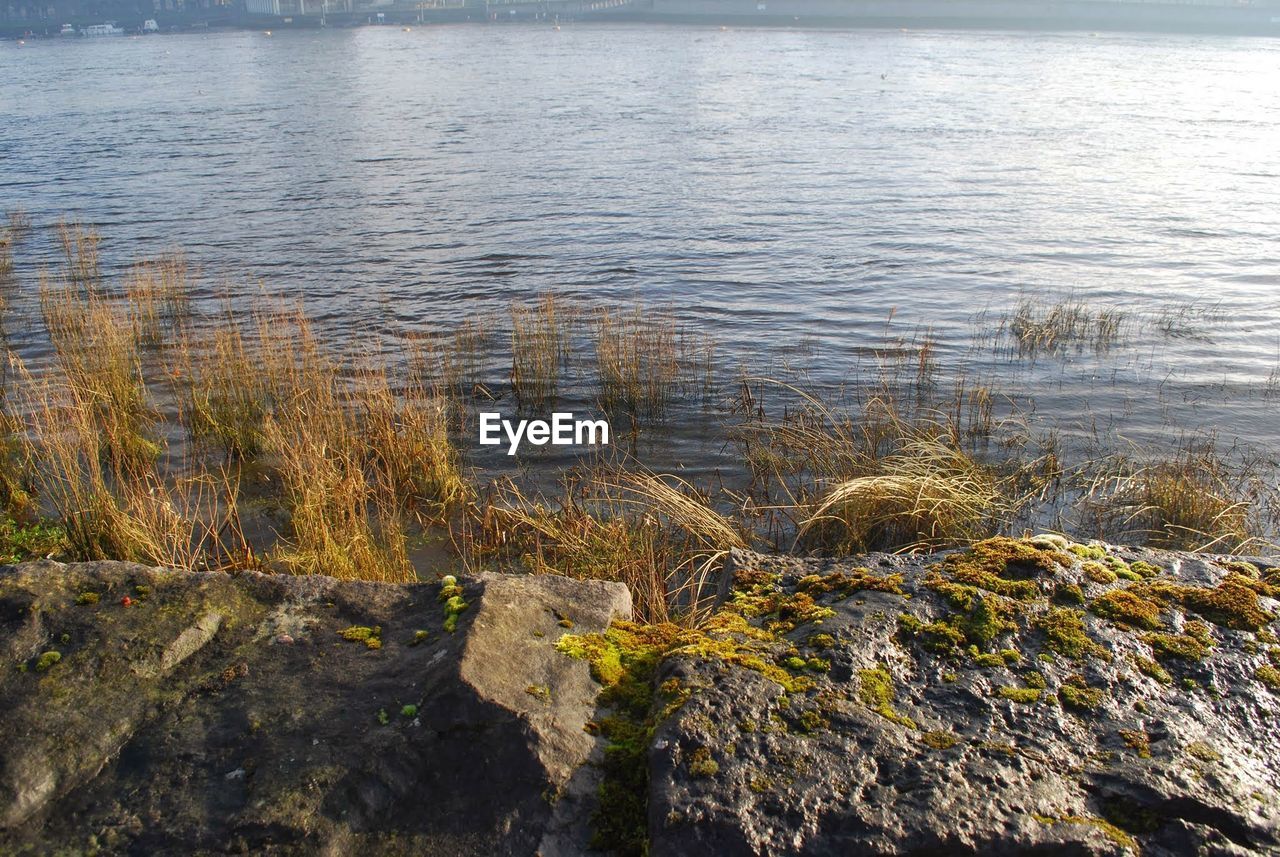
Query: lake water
x,y
786,190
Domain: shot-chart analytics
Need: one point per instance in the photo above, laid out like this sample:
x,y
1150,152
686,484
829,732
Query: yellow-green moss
x,y
1180,646
1002,566
1075,693
987,660
1233,603
1268,675
702,765
812,721
939,739
87,598
1203,752
1128,608
1022,695
845,583
1098,573
1093,552
1111,831
1242,567
1065,634
1144,569
371,637
1146,666
876,691
47,660
1138,741
1068,593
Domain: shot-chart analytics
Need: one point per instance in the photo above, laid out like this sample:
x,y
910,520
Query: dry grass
x,y
98,357
80,254
1188,319
406,437
455,363
225,394
18,222
539,348
329,497
158,294
354,457
1194,500
654,534
928,494
111,507
645,360
8,278
1067,325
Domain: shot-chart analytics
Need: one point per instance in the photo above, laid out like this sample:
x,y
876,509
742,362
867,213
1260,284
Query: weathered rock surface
x,y
904,744
1019,698
212,713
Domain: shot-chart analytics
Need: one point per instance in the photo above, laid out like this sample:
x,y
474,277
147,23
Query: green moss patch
x,y
1128,608
939,739
1151,668
1111,831
1075,693
877,692
1022,695
1003,566
47,660
1065,634
1175,646
846,583
371,637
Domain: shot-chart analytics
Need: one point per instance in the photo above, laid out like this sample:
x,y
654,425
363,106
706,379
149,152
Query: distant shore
x,y
1072,16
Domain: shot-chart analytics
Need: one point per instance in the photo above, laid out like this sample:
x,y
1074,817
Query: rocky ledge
x,y
1017,697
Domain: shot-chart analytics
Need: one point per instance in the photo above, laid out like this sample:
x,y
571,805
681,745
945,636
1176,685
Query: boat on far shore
x,y
107,29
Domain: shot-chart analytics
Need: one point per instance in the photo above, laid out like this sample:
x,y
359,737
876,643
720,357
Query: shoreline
x,y
1074,16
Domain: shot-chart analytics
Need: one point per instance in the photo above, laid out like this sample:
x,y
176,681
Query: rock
x,y
174,725
898,739
1018,697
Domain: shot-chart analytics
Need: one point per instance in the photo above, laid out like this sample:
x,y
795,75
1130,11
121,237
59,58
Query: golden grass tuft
x,y
158,294
98,356
645,360
406,438
928,494
539,348
1069,324
652,533
330,497
224,394
111,507
80,254
1194,500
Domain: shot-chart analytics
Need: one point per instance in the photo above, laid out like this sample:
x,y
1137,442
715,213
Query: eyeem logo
x,y
563,430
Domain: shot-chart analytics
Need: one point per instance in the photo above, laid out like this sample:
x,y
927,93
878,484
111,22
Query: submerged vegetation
x,y
146,420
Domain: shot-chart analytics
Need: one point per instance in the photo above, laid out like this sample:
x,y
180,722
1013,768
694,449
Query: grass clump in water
x,y
1070,324
539,348
1193,500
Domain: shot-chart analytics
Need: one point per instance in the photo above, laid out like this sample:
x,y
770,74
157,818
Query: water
x,y
786,190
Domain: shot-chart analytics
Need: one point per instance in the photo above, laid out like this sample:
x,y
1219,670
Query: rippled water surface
x,y
781,188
